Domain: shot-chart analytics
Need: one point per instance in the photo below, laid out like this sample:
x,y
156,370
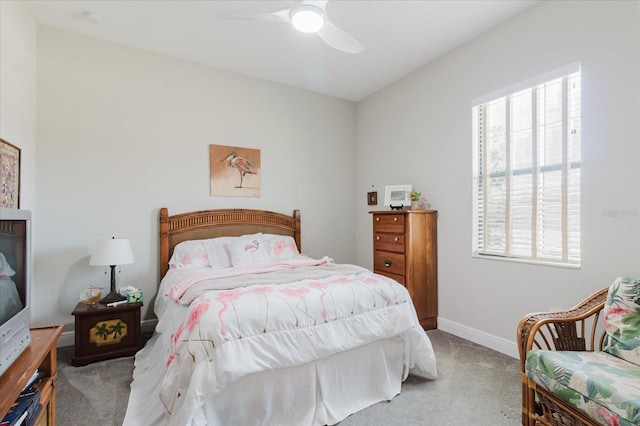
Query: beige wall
x,y
18,91
418,131
123,132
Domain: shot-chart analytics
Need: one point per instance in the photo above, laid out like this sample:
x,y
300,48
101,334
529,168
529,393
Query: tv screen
x,y
15,275
12,284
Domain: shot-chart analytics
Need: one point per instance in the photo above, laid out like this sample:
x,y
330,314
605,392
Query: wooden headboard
x,y
204,224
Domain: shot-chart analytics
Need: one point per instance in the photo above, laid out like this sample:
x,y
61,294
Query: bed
x,y
251,332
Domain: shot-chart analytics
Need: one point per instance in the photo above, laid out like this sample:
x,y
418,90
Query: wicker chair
x,y
576,329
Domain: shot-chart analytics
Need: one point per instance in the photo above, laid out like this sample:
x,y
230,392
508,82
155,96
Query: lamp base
x,y
112,297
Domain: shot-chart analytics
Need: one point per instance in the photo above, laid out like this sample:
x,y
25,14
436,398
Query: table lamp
x,y
112,252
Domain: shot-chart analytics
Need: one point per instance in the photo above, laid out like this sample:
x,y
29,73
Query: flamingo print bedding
x,y
244,320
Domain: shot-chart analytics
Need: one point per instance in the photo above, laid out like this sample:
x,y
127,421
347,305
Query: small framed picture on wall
x,y
9,175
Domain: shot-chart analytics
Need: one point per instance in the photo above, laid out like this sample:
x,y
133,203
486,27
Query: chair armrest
x,y
564,330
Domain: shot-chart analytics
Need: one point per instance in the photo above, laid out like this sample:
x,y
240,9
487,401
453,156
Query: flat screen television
x,y
15,284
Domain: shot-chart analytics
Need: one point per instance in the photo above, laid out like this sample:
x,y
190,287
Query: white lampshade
x,y
113,251
307,18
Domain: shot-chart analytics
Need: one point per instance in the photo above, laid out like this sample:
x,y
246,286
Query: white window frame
x,y
493,228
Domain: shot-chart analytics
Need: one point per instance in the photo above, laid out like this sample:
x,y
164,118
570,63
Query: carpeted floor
x,y
476,386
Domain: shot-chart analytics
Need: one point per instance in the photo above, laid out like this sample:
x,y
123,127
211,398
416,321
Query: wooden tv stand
x,y
41,354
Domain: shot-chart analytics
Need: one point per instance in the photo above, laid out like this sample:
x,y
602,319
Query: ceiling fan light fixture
x,y
307,18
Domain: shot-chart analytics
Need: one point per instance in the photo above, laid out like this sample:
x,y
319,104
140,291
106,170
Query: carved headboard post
x,y
164,240
297,232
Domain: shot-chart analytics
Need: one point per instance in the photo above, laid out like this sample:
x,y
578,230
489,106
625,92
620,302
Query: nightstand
x,y
104,332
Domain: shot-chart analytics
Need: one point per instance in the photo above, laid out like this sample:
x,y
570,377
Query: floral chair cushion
x,y
601,385
622,320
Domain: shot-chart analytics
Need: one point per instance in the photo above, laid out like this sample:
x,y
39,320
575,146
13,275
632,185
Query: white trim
x,y
68,338
148,326
490,341
523,260
532,82
564,171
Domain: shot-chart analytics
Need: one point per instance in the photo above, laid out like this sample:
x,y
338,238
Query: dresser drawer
x,y
399,278
388,242
388,223
386,261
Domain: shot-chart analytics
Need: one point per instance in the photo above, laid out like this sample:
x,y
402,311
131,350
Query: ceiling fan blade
x,y
322,4
338,39
281,15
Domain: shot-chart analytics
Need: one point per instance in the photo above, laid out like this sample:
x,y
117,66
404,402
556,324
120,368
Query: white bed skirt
x,y
322,392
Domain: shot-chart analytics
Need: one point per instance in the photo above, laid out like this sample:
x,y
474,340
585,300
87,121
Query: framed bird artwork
x,y
234,171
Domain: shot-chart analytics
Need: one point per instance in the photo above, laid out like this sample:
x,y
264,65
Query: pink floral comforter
x,y
279,323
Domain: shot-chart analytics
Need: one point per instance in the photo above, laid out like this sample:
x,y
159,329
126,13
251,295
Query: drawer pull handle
x,y
396,239
377,219
378,237
395,219
387,263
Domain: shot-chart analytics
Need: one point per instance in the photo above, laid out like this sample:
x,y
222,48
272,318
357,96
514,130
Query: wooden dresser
x,y
41,355
405,249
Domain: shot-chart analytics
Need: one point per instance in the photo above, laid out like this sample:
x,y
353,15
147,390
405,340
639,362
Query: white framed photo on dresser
x,y
397,195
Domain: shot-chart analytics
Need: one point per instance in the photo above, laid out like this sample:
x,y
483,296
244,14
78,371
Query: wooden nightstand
x,y
106,332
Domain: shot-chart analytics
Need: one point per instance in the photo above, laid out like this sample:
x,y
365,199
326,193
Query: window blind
x,y
526,172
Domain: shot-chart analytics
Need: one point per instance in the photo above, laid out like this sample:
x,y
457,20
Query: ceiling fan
x,y
309,16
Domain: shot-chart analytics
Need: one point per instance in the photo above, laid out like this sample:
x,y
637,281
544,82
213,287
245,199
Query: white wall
x,y
123,132
18,92
418,131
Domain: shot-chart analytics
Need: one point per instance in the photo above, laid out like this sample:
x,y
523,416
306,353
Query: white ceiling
x,y
400,36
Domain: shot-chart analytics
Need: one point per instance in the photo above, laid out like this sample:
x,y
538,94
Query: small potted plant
x,y
418,201
415,199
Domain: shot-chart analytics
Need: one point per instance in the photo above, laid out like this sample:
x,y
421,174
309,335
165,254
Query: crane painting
x,y
241,164
235,171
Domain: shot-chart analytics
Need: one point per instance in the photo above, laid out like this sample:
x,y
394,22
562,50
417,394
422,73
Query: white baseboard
x,y
68,338
490,341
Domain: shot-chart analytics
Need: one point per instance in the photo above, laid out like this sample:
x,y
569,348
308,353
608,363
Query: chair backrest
x,y
622,320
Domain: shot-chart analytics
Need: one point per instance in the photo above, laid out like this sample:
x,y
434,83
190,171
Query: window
x,y
526,171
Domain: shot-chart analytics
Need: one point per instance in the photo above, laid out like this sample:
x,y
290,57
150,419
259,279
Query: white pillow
x,y
189,254
283,246
218,252
261,249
